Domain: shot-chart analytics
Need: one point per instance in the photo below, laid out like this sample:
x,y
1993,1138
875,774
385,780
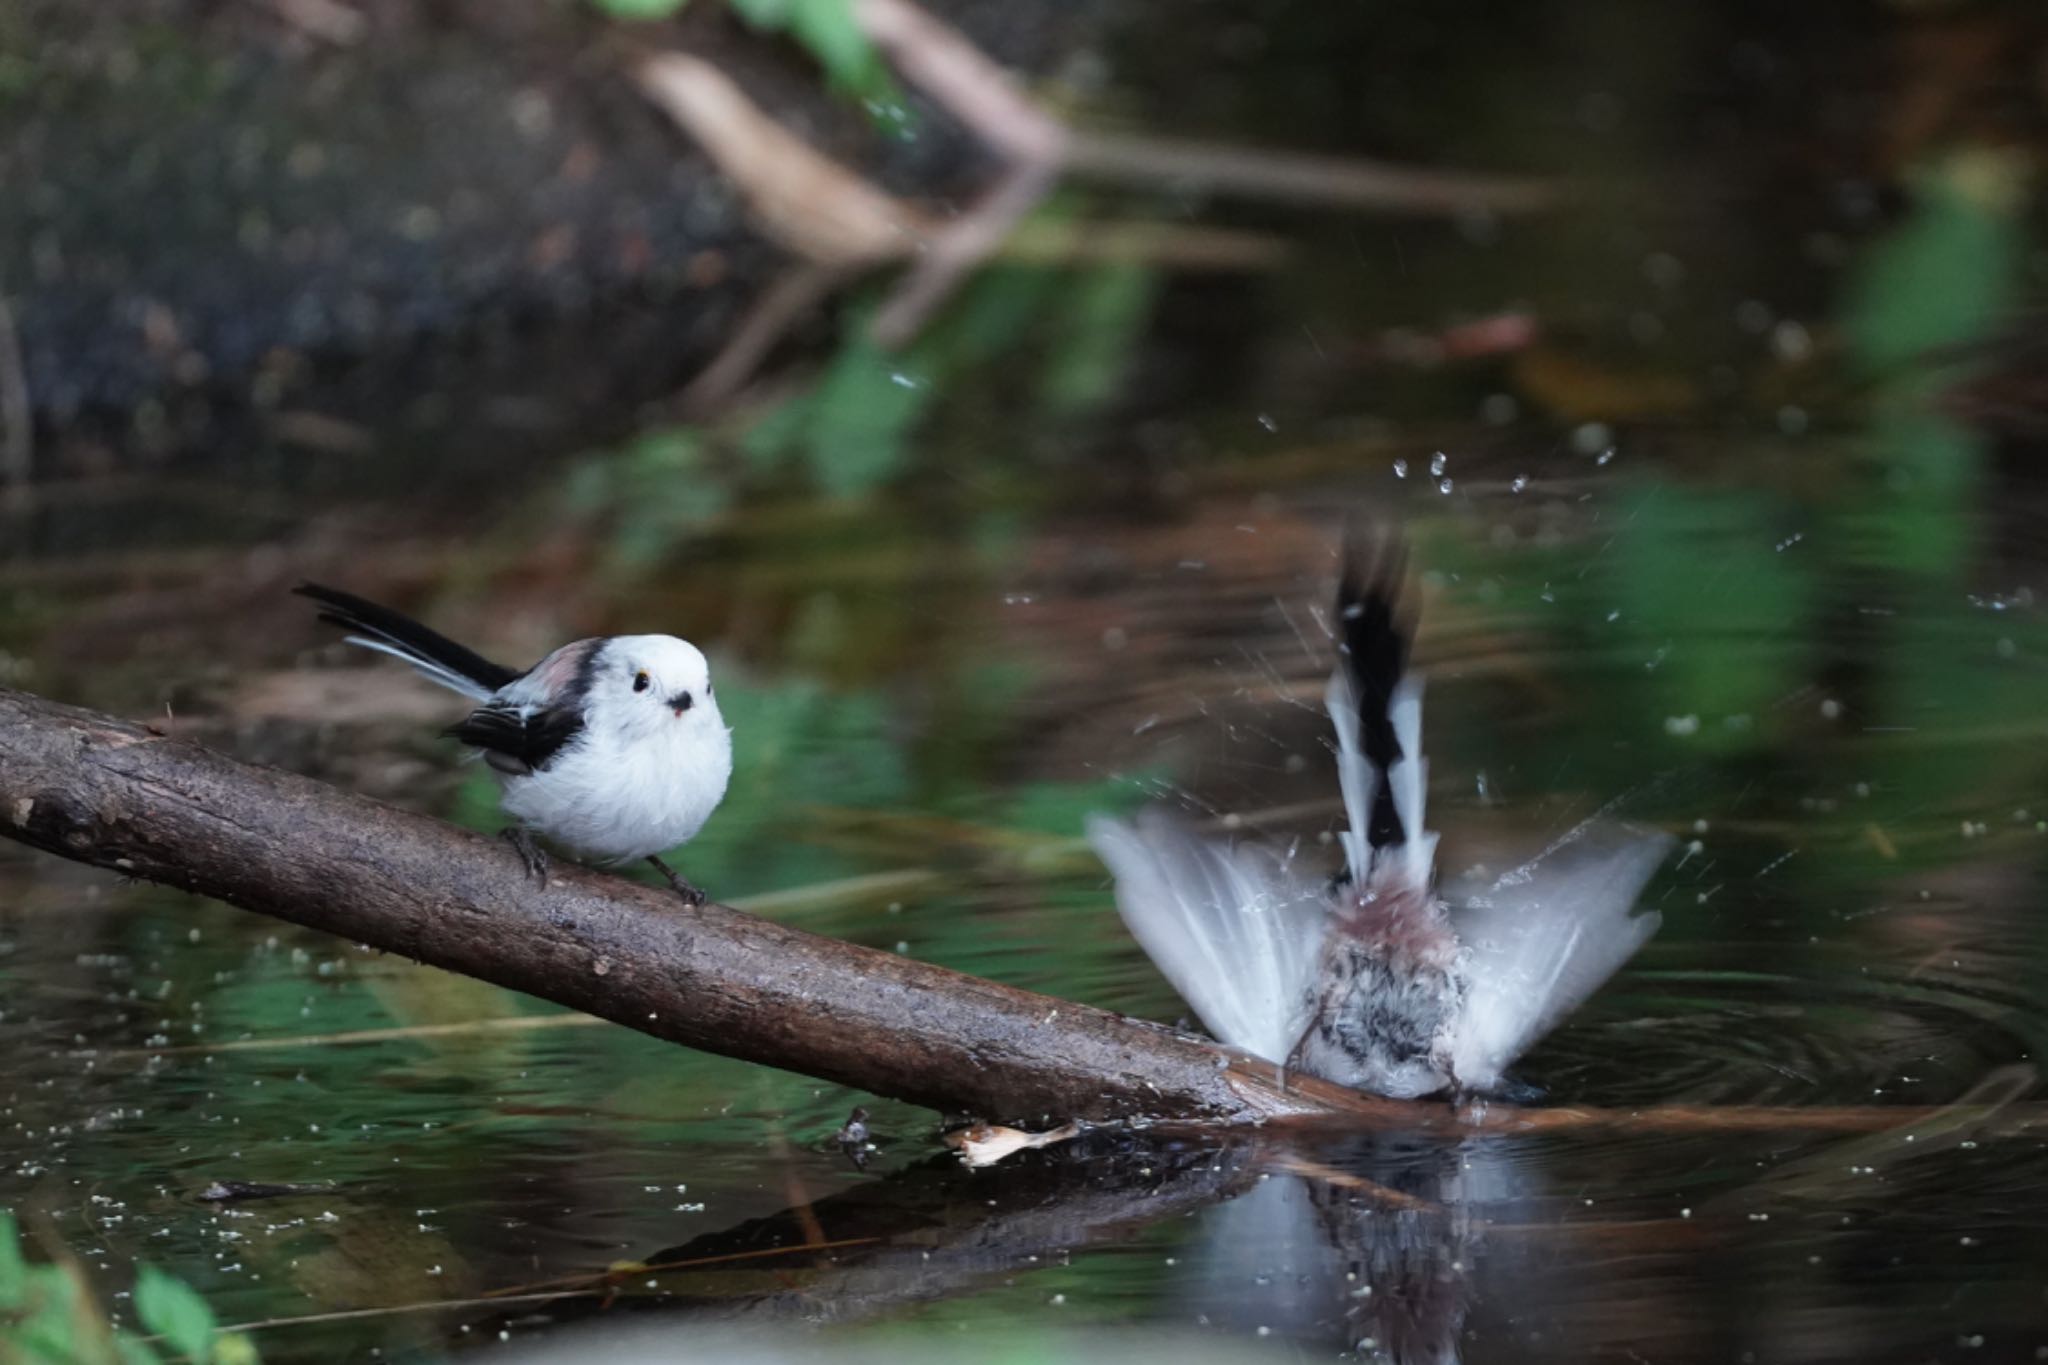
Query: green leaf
x,y
1946,274
1105,313
641,9
769,14
232,1348
134,1350
13,1266
174,1311
863,413
826,29
1697,593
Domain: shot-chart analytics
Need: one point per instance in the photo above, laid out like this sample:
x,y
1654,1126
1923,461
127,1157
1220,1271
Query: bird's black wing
x,y
515,739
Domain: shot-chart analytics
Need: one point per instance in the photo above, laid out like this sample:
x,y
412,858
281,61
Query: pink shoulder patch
x,y
554,673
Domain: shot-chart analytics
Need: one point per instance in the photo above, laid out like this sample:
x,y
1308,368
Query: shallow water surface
x,y
1849,924
1711,541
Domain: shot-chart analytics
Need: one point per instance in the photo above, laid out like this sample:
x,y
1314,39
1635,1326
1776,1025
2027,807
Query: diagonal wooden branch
x,y
100,790
103,791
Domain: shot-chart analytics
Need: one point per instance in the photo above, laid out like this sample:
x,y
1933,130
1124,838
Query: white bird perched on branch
x,y
611,747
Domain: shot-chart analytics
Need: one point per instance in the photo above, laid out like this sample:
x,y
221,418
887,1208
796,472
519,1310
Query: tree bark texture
x,y
103,791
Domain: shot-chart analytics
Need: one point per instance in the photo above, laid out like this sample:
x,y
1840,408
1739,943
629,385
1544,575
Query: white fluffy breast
x,y
649,765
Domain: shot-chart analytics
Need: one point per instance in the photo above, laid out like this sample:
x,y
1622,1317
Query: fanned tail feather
x,y
1234,928
1357,779
1544,937
390,632
1376,709
1408,780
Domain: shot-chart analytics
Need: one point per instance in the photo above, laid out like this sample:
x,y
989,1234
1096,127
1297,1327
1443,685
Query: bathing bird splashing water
x,y
1376,981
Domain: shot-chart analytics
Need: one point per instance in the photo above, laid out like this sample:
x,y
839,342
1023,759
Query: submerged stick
x,y
103,791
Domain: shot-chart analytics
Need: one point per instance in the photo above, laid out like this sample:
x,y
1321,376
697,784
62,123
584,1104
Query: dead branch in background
x,y
840,225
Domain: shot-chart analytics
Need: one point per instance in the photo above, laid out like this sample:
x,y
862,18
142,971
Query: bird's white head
x,y
653,685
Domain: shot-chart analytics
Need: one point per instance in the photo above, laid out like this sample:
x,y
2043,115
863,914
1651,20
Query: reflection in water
x,y
1375,1247
1702,518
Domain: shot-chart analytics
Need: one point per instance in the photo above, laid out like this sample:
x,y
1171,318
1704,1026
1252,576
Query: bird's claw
x,y
532,854
693,896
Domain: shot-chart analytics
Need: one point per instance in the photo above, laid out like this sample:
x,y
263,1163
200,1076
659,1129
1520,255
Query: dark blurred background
x,y
1706,378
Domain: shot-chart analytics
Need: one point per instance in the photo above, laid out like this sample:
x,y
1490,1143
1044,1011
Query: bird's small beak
x,y
680,702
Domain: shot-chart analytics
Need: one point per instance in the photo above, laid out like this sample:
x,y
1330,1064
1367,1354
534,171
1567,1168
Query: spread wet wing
x,y
1544,937
1235,929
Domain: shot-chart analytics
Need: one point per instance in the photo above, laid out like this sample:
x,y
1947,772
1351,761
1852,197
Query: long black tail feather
x,y
1374,624
394,628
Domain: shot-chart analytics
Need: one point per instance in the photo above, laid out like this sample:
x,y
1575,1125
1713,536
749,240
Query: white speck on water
x,y
1681,725
1604,457
1518,483
1831,709
1400,469
1437,462
1789,541
1058,1299
1266,421
904,381
1018,599
1444,487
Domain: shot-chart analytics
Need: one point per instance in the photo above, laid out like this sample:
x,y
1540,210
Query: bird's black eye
x,y
641,682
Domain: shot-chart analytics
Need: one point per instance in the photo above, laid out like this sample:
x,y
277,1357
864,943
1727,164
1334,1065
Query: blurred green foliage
x,y
806,756
47,1315
823,28
1054,339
